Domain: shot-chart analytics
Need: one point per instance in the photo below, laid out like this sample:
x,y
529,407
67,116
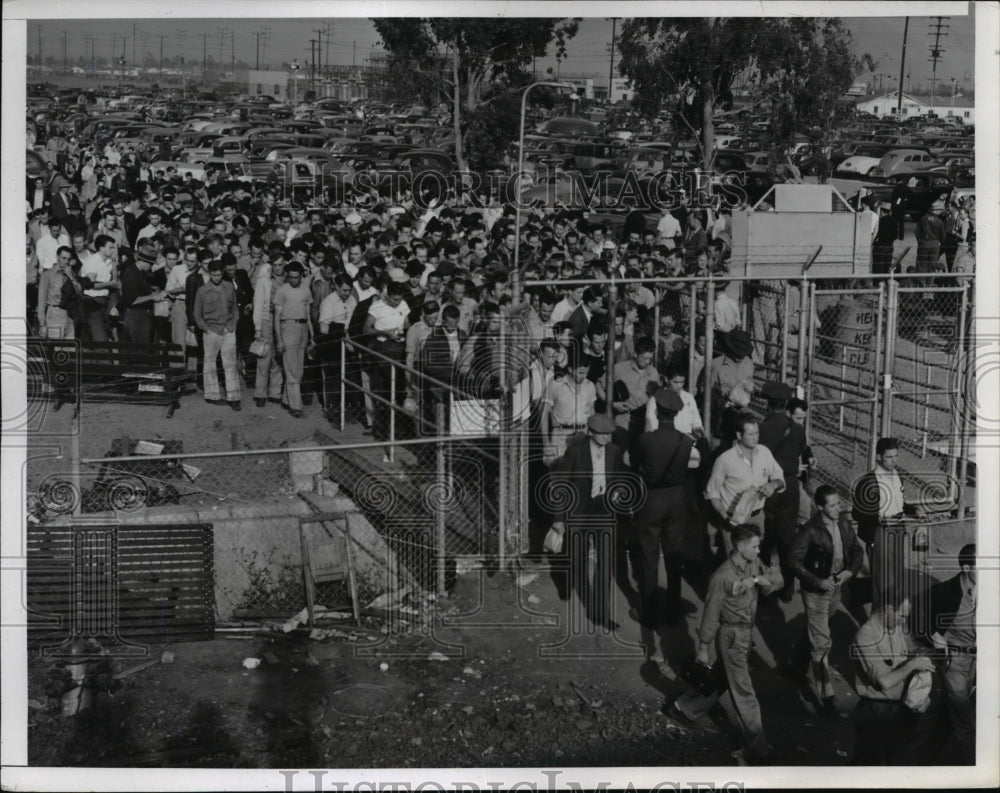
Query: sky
x,y
354,40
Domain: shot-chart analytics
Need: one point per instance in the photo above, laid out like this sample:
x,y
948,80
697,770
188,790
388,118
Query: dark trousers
x,y
380,374
889,733
661,524
138,326
881,258
595,529
781,522
95,310
329,352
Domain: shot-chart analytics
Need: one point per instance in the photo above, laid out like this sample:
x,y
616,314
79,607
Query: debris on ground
x,y
436,656
167,657
132,670
251,663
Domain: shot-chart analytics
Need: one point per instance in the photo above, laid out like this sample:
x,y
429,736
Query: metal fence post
x,y
959,442
343,381
805,326
891,322
784,332
709,347
443,482
879,327
692,336
392,412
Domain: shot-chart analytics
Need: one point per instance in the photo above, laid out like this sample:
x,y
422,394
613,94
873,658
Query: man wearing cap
x,y
294,333
786,439
593,472
664,519
742,478
216,313
138,298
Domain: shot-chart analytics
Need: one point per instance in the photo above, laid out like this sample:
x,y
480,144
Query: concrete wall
x,y
272,531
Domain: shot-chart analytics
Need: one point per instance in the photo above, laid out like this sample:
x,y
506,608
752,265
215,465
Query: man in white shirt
x,y
668,229
879,506
49,243
384,331
101,268
566,306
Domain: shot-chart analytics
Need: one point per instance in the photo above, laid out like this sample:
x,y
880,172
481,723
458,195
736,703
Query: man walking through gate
x,y
824,556
592,470
727,623
664,519
786,441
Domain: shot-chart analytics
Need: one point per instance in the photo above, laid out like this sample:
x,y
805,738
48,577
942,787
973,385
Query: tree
x,y
693,65
473,62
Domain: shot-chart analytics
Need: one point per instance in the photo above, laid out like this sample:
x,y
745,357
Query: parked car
x,y
900,160
928,188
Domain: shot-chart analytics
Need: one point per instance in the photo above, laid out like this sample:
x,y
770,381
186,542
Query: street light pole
x,y
515,277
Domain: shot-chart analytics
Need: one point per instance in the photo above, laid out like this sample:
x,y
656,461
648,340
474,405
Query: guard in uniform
x,y
664,520
786,441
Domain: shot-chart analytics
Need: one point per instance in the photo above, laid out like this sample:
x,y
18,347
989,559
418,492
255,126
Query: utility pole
x,y
204,56
936,51
133,44
354,57
611,70
312,64
902,71
232,42
261,33
66,67
89,39
328,28
39,46
161,56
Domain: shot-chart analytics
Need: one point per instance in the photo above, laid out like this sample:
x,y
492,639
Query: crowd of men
x,y
283,295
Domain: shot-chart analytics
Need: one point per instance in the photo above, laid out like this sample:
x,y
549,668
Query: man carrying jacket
x,y
825,554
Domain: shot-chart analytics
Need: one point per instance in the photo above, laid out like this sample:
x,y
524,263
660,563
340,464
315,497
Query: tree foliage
x,y
472,61
795,68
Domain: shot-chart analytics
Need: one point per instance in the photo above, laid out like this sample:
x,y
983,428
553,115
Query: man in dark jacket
x,y
592,469
948,621
664,519
437,360
787,442
824,555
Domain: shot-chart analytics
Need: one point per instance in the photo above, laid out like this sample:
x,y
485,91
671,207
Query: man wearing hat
x,y
930,233
732,368
885,239
593,471
786,440
664,519
216,313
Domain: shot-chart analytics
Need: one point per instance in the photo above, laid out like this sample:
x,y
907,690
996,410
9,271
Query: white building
x,y
270,83
621,90
943,105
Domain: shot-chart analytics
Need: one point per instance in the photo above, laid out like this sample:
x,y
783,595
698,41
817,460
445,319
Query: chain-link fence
x,y
459,473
